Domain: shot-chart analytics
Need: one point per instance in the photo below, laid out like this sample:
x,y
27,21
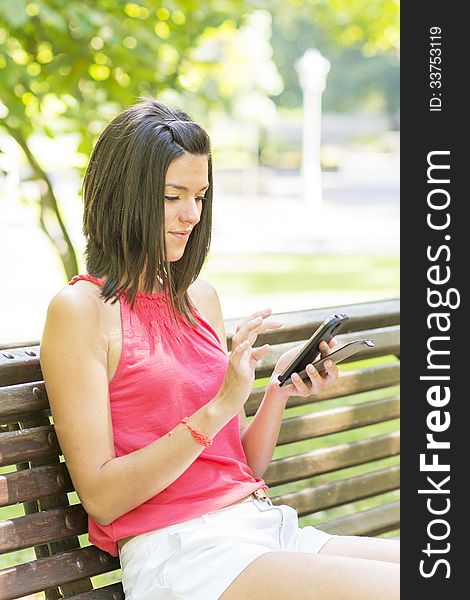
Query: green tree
x,y
372,25
359,37
67,66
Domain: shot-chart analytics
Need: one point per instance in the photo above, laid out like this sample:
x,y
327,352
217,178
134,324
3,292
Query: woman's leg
x,y
363,547
304,576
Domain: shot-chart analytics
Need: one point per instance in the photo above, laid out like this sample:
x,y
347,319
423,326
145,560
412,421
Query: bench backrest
x,y
314,468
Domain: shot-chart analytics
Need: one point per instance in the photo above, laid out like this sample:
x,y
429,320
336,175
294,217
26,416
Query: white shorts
x,y
199,558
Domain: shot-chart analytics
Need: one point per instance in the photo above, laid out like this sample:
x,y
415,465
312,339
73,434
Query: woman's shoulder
x,y
79,302
202,290
73,326
204,296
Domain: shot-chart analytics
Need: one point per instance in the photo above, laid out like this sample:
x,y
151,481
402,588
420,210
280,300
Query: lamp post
x,y
312,69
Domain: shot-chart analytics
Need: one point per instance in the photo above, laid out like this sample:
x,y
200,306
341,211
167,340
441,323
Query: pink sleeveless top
x,y
165,374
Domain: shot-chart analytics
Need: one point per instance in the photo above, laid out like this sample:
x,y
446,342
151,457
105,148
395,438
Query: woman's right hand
x,y
240,374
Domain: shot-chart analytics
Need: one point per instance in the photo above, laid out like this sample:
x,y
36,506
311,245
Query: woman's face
x,y
185,185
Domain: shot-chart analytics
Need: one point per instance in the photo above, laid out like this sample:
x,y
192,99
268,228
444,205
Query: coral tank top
x,y
166,373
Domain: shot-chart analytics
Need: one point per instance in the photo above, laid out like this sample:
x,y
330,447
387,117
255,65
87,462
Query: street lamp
x,y
312,69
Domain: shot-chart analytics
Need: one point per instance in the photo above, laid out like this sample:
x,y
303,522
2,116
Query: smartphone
x,y
336,356
310,352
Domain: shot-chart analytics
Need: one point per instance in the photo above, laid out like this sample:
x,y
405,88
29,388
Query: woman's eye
x,y
174,198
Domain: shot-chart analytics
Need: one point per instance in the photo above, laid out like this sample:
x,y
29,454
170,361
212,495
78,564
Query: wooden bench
x,y
333,453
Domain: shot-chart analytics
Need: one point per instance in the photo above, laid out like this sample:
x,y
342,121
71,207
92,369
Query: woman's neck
x,y
157,287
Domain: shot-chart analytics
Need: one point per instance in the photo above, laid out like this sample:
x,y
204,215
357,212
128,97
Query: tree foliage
x,y
372,25
359,37
69,66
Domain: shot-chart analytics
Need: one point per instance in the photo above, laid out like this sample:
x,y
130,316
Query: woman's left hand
x,y
316,382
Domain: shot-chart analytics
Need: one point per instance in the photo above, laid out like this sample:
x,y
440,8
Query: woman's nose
x,y
191,212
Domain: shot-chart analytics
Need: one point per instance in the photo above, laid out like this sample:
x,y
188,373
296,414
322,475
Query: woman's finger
x,y
246,331
300,387
256,326
325,348
264,313
331,371
306,388
315,377
253,328
269,325
241,348
259,313
259,353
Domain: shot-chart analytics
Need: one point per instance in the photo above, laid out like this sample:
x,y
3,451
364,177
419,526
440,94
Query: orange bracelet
x,y
197,435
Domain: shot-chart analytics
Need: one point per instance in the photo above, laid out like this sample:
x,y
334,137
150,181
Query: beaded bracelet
x,y
197,435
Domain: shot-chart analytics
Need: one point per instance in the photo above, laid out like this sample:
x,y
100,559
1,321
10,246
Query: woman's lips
x,y
181,236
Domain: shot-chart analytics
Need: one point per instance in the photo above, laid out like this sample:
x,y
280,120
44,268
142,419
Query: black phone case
x,y
327,330
336,356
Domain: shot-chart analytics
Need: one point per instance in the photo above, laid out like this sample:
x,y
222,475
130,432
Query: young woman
x,y
148,405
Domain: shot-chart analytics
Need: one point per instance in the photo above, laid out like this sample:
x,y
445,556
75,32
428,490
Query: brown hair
x,y
123,192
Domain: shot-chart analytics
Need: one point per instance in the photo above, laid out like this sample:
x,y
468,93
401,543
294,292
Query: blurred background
x,y
300,98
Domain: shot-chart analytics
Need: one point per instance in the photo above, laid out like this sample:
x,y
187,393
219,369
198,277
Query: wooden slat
x,y
341,491
110,592
338,419
325,460
387,342
19,365
23,344
350,382
42,527
32,484
28,444
299,325
32,507
368,522
38,575
20,401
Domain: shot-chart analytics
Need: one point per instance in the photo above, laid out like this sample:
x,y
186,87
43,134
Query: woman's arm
x,y
204,296
259,437
74,364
